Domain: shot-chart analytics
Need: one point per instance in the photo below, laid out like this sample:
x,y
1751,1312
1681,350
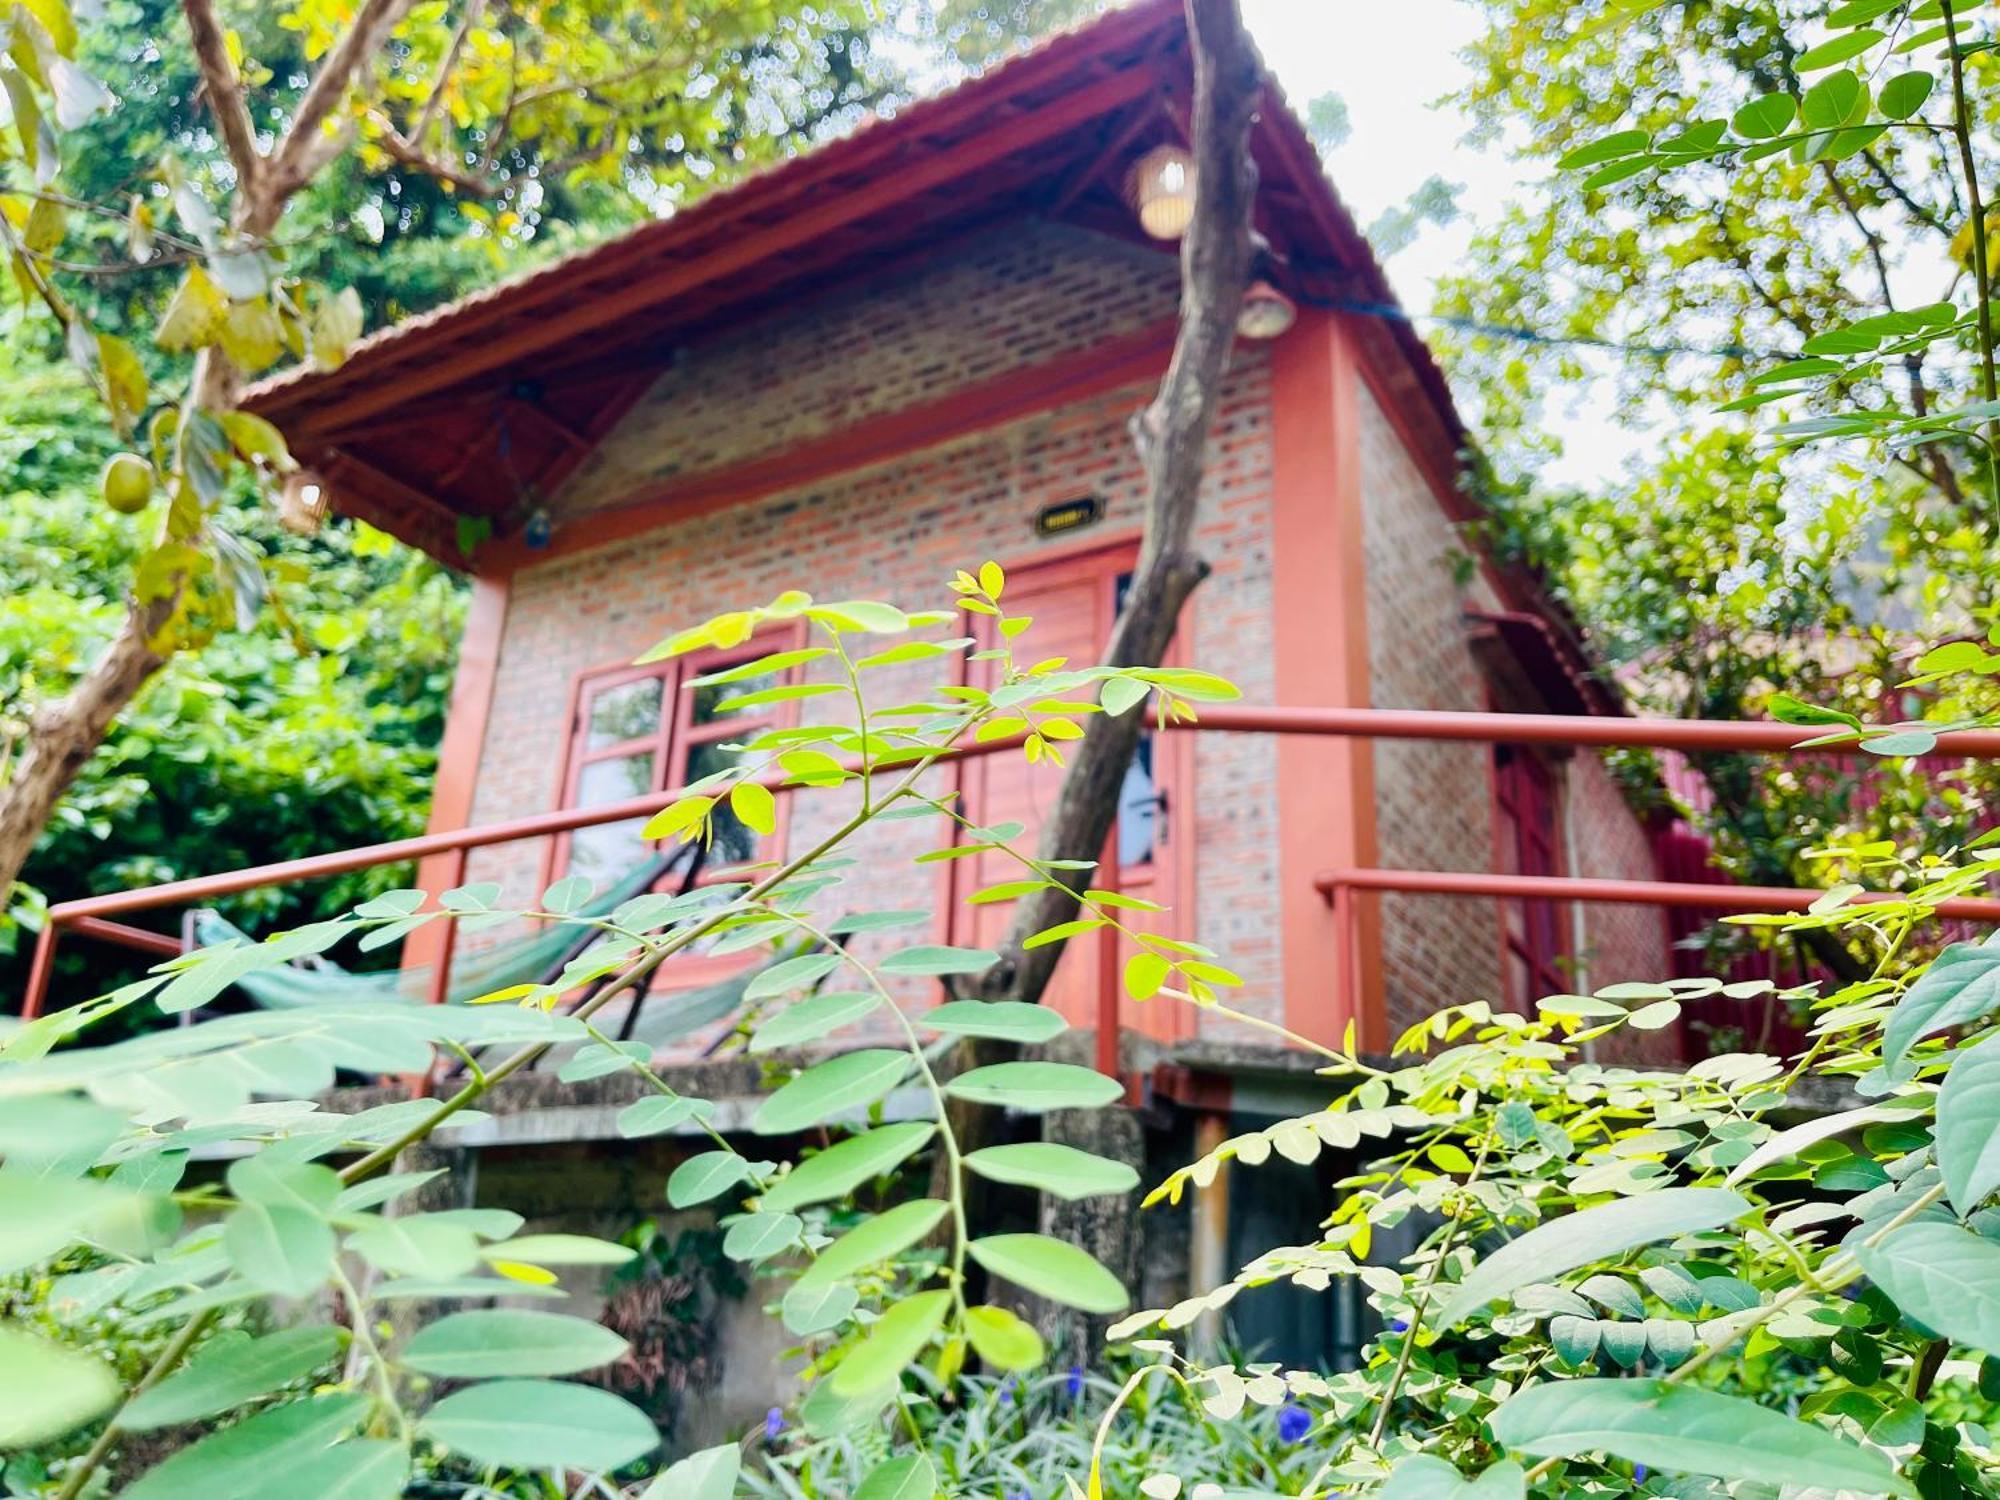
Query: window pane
x,y
734,844
1139,807
614,780
705,698
630,711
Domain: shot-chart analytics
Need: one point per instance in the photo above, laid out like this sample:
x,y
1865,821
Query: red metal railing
x,y
95,916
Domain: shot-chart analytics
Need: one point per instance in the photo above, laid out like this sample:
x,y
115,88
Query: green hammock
x,y
525,961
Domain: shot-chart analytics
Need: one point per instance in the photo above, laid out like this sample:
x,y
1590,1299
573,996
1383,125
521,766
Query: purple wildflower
x,y
1638,1473
1294,1422
1399,1325
1007,1391
1074,1384
774,1423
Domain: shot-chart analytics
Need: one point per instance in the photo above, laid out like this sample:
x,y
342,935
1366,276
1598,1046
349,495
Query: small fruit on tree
x,y
127,483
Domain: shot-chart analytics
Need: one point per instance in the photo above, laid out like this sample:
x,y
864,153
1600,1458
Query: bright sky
x,y
1392,63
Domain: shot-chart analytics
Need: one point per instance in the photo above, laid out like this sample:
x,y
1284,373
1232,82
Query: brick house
x,y
886,359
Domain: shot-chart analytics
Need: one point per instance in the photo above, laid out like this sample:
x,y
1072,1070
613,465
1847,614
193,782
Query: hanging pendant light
x,y
1161,188
302,502
1267,313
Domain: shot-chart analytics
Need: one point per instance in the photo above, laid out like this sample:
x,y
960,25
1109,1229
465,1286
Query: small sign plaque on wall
x,y
1069,515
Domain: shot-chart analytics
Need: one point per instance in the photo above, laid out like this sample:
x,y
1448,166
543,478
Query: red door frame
x,y
1172,880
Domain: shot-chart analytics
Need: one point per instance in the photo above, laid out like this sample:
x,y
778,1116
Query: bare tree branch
x,y
224,90
308,145
427,116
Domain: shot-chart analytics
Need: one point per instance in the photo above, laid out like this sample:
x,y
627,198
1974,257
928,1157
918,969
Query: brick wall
x,y
897,531
969,311
1432,800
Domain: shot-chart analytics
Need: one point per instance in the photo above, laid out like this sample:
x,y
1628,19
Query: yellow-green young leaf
x,y
755,806
252,335
682,820
1051,1268
1007,890
336,323
1063,930
194,314
1003,1340
557,1250
47,1390
898,1337
1120,901
511,992
125,383
256,439
1144,974
763,666
812,768
991,579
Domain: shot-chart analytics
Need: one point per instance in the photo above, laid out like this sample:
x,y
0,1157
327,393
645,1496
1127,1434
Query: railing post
x,y
1346,992
440,985
40,970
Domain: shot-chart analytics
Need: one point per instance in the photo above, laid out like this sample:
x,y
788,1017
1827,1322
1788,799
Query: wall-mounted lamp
x,y
302,502
1161,188
1267,312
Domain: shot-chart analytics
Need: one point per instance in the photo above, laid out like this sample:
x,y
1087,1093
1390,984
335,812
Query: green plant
x,y
284,1224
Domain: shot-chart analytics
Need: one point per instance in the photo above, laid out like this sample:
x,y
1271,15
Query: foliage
x,y
1722,568
284,1225
268,745
1014,1435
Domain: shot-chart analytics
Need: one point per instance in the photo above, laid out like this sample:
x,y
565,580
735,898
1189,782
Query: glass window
x,y
629,711
1139,807
636,735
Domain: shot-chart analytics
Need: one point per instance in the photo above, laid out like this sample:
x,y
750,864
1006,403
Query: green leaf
x,y
910,1477
898,1337
1968,1125
851,1081
510,1341
1962,984
812,1018
1763,118
541,1424
1051,1268
707,1475
1574,1338
1789,710
42,1215
706,1176
47,1390
791,974
1903,95
934,959
360,1469
559,1250
1611,147
1061,1170
279,1249
760,1236
1036,1086
845,1166
1594,1234
656,1114
754,806
1003,1340
1003,1020
1837,50
1684,1430
227,1373
256,1459
874,1241
1425,1478
1122,694
1942,1276
418,1245
807,1310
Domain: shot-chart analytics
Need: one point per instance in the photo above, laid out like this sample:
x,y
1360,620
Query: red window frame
x,y
1528,841
677,735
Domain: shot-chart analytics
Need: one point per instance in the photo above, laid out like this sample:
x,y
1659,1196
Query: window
x,y
645,729
1527,841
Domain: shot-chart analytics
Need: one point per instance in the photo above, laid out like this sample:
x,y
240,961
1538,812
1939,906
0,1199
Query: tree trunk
x,y
1107,1226
63,735
1171,436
